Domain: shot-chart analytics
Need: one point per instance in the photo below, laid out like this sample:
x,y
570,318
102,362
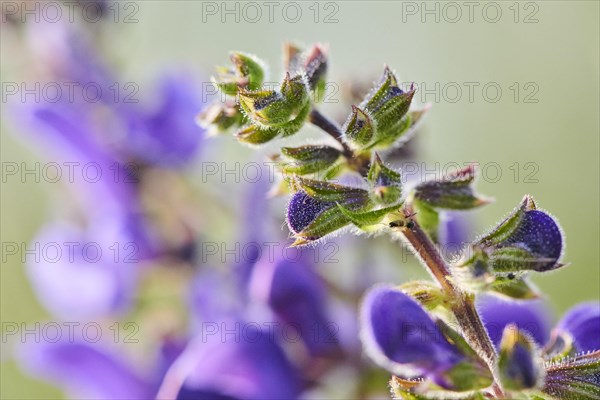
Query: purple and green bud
x,y
519,361
453,192
574,378
529,239
312,64
313,210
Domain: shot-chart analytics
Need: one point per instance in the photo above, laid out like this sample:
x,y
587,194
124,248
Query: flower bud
x,y
453,192
249,73
315,67
255,135
358,129
529,239
219,117
313,211
308,159
519,361
386,183
270,108
574,377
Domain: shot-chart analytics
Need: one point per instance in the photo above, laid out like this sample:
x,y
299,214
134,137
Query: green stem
x,y
331,128
463,306
357,161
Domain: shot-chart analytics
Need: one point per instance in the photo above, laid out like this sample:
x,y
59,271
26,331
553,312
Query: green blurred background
x,y
552,123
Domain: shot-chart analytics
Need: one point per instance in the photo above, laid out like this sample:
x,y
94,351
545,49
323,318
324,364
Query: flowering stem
x,y
463,306
331,128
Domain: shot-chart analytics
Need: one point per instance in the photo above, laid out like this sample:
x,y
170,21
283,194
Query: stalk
x,y
463,306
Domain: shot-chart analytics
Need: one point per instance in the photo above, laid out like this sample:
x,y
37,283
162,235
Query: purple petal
x,y
75,274
530,316
84,370
168,135
294,291
401,336
583,323
303,209
250,366
539,233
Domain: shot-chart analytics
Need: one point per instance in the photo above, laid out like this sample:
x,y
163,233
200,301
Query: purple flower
x,y
76,275
581,324
296,294
400,336
223,367
85,370
530,316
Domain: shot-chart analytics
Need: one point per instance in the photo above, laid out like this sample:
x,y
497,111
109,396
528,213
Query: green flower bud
x,y
358,129
386,183
220,117
454,192
248,73
270,108
308,159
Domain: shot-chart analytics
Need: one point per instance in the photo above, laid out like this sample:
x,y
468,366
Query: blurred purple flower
x,y
296,294
77,276
223,367
85,370
108,142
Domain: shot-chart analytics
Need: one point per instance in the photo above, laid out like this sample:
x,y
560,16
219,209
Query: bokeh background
x,y
542,135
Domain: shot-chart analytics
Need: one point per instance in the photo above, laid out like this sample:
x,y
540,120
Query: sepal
x,y
359,128
308,159
385,182
220,117
453,192
369,218
270,108
248,73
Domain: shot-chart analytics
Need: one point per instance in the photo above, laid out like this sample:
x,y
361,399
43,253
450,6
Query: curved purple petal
x,y
399,335
303,209
530,316
540,234
294,291
582,322
84,370
249,366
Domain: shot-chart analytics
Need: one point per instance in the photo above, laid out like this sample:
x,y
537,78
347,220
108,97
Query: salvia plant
x,y
429,334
